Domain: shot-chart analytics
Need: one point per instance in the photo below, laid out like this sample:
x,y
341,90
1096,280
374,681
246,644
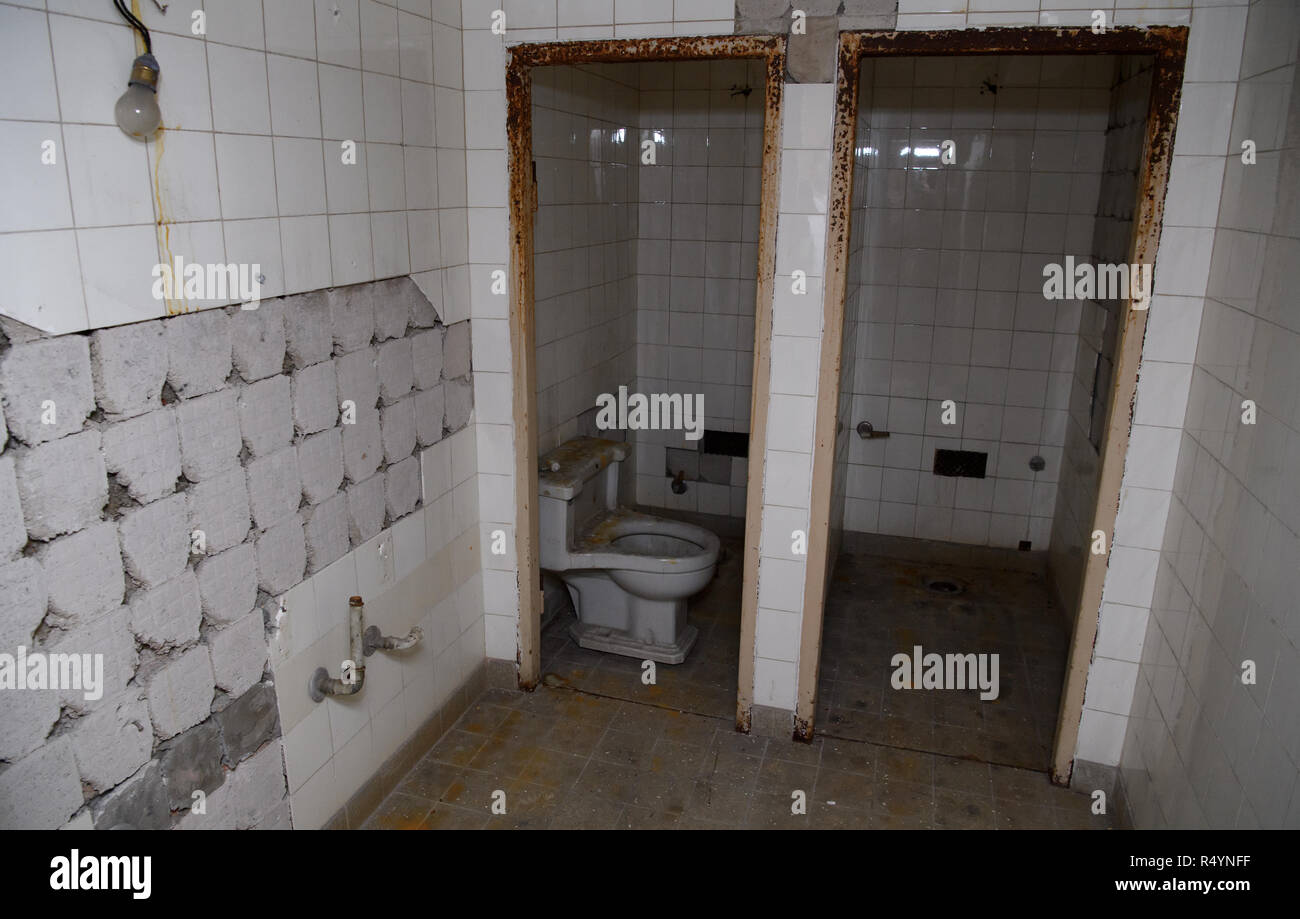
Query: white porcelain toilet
x,y
630,574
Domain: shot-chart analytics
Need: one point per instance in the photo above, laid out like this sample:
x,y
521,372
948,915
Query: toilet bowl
x,y
630,574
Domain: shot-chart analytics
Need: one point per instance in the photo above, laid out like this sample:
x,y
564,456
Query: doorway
x,y
971,429
642,253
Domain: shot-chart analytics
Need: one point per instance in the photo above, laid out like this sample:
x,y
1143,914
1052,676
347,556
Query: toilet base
x,y
616,641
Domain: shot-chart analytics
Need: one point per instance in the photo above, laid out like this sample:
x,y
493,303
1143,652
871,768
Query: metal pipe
x,y
373,640
322,684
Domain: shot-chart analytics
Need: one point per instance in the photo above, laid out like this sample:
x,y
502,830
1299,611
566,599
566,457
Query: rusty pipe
x,y
373,640
321,684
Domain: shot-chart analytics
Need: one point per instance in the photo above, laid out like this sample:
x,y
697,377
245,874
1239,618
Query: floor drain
x,y
943,587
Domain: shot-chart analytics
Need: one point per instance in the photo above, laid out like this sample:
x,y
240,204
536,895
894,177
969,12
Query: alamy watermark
x,y
103,872
655,412
39,670
919,670
183,280
1085,281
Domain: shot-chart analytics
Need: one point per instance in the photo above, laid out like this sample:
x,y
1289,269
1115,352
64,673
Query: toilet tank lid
x,y
563,471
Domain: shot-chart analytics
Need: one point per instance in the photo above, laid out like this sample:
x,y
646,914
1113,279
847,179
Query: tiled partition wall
x,y
950,305
806,131
584,145
183,495
1203,748
697,252
1098,323
250,164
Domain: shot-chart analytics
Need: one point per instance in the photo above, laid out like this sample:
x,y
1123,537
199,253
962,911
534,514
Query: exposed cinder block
x,y
238,653
228,584
13,532
22,601
326,528
459,396
62,485
423,312
198,352
362,446
219,508
281,556
27,716
455,351
145,454
812,54
274,487
265,416
210,438
250,721
309,337
192,762
41,791
155,540
396,371
358,378
320,465
402,487
366,509
168,616
315,398
139,803
109,635
430,408
352,316
257,340
397,426
129,365
83,574
256,788
426,357
180,692
392,308
112,742
46,387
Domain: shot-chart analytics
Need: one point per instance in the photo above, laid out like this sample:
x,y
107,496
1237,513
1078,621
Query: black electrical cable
x,y
135,24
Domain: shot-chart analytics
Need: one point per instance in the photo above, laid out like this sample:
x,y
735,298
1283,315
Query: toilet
x,y
630,574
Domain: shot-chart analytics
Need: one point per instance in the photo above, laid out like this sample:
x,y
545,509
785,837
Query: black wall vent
x,y
965,463
727,443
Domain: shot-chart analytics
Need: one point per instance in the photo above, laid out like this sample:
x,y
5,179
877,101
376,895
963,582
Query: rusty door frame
x,y
523,201
1168,47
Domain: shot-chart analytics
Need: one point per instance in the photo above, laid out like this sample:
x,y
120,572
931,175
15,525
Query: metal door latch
x,y
867,432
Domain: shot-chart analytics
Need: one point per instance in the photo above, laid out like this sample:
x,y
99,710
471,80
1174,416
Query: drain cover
x,y
943,587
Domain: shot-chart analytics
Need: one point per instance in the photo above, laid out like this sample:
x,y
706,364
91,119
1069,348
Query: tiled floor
x,y
595,748
879,606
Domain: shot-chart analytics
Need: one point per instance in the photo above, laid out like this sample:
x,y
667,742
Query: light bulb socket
x,y
144,72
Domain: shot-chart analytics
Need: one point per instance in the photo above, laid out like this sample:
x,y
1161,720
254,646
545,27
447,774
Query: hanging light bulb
x,y
137,111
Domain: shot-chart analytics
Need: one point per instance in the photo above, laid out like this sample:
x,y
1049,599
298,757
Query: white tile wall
x,y
1203,749
254,113
585,147
425,572
947,299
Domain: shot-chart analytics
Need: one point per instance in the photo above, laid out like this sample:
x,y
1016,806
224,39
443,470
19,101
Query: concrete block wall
x,y
163,486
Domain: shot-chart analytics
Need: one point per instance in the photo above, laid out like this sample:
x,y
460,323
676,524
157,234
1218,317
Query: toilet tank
x,y
575,482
